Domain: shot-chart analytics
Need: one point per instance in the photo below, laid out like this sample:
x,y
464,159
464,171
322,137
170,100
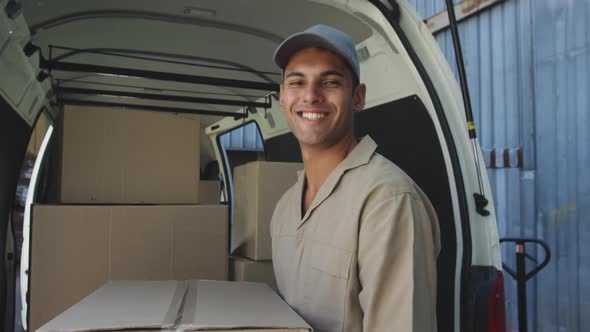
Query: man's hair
x,y
355,81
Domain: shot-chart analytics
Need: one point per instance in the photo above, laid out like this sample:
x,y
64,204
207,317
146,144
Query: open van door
x,y
214,60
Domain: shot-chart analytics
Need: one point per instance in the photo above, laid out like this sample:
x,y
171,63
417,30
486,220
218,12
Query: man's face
x,y
317,97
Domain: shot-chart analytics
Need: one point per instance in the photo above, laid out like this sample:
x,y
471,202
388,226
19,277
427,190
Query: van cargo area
x,y
149,202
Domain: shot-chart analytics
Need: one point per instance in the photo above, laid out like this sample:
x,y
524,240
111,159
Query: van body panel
x,y
449,93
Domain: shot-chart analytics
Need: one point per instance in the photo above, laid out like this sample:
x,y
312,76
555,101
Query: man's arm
x,y
398,246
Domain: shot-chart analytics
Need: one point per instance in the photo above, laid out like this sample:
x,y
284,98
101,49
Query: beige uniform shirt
x,y
363,257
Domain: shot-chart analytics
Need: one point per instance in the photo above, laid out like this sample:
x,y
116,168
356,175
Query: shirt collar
x,y
360,155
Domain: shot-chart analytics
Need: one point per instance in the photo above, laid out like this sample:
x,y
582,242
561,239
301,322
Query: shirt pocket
x,y
330,260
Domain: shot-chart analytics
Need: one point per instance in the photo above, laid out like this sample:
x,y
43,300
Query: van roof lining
x,y
161,49
144,55
154,16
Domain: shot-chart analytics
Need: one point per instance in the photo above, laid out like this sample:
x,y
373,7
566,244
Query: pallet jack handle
x,y
521,276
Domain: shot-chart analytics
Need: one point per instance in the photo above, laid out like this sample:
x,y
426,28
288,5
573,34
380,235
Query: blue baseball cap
x,y
321,36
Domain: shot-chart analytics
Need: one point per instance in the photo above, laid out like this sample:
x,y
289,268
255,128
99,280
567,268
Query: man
x,y
354,241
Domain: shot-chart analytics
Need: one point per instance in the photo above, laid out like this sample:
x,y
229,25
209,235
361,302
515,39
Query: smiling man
x,y
354,241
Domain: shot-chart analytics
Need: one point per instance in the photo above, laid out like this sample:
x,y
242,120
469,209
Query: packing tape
x,y
190,306
174,313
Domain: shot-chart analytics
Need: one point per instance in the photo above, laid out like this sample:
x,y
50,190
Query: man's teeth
x,y
313,116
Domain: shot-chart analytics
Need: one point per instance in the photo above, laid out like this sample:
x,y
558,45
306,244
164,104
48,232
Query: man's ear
x,y
359,97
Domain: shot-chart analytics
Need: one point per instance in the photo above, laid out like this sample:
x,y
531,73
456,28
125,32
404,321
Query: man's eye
x,y
332,83
295,83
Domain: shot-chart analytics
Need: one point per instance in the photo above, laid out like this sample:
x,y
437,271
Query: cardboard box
x,y
38,134
209,192
76,249
196,305
115,156
258,186
244,269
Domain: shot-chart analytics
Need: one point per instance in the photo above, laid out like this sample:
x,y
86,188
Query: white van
x,y
213,58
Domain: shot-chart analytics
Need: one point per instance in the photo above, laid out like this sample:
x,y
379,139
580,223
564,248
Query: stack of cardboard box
x,y
258,186
129,208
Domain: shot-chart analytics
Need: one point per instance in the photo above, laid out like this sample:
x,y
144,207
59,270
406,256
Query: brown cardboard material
x,y
76,249
113,156
244,269
258,186
124,304
231,305
196,305
38,135
209,192
69,259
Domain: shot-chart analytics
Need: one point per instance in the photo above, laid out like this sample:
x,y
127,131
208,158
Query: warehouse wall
x,y
245,138
528,67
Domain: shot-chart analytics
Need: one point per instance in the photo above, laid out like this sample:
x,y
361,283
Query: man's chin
x,y
311,140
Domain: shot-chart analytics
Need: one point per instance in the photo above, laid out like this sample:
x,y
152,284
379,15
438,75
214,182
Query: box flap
x,y
121,305
209,302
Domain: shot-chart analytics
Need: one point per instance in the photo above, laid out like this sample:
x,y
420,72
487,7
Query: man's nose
x,y
313,93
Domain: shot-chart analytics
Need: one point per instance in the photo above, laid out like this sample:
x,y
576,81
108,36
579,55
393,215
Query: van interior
x,y
212,60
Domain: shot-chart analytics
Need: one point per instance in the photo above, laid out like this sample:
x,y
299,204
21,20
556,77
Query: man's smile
x,y
313,115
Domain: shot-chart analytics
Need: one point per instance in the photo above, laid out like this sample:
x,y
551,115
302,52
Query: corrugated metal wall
x,y
245,138
528,66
